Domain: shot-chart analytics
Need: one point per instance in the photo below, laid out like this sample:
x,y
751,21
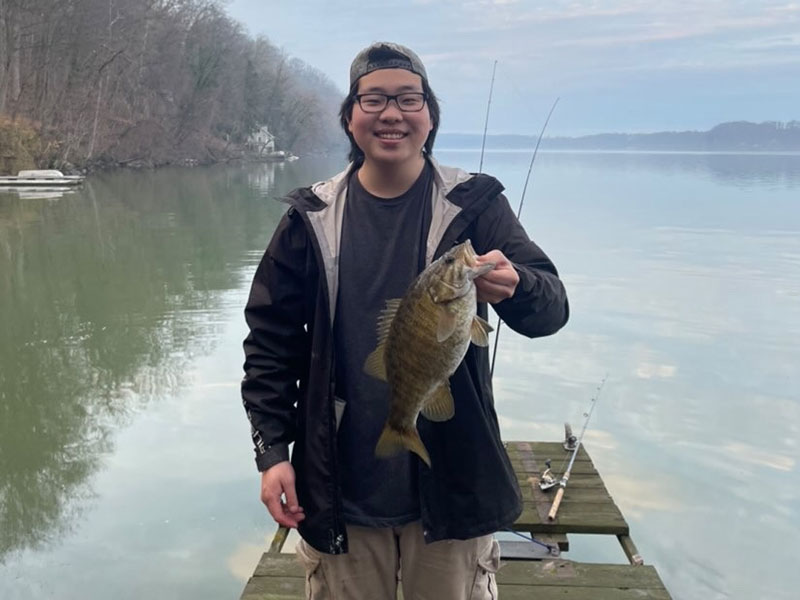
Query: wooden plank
x,y
609,522
284,564
280,577
541,451
274,588
576,480
588,494
280,539
630,550
519,592
579,468
587,506
566,573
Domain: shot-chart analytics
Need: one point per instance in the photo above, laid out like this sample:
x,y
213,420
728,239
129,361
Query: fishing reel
x,y
547,480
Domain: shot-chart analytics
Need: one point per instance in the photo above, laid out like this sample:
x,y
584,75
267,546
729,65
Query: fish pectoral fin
x,y
375,365
440,407
446,325
393,441
479,331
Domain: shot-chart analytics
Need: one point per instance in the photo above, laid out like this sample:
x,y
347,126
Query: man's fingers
x,y
499,283
499,277
291,496
495,256
280,512
277,482
493,291
276,509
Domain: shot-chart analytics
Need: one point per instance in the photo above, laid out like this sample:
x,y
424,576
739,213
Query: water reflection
x,y
684,291
37,193
755,170
105,298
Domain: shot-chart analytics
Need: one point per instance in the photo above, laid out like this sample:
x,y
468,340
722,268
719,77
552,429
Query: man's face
x,y
390,136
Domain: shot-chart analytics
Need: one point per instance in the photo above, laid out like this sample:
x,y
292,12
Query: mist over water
x,y
125,461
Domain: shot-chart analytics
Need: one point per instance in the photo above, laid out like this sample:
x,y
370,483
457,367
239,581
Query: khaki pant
x,y
379,559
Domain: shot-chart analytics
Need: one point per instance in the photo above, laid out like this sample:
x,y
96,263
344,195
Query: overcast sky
x,y
617,65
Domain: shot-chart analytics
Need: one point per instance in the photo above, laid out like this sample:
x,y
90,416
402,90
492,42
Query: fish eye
x,y
449,260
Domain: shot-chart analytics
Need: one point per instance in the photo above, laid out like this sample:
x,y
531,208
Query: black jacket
x,y
288,385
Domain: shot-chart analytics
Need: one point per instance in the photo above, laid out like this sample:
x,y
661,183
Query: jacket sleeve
x,y
539,305
276,347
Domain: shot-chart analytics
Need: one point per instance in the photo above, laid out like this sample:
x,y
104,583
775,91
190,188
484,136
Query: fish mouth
x,y
467,253
482,269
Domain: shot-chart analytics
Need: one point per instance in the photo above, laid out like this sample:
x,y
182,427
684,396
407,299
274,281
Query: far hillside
x,y
741,136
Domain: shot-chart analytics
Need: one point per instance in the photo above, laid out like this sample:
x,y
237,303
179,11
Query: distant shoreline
x,y
733,137
635,151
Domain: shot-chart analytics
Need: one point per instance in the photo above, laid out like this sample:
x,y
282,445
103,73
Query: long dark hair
x,y
356,155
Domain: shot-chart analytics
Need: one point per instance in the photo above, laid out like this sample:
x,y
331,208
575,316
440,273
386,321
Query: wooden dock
x,y
587,508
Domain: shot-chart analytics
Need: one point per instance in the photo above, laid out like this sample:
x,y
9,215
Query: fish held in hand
x,y
422,338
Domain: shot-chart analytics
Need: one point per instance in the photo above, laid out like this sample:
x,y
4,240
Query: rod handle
x,y
551,516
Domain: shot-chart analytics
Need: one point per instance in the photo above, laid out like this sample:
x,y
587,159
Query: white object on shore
x,y
40,177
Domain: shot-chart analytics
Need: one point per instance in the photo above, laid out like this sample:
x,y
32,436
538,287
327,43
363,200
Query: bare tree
x,y
153,81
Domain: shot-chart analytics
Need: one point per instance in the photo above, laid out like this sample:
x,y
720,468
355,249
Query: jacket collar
x,y
323,204
445,179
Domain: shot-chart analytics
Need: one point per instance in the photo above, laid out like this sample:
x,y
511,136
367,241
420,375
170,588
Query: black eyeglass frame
x,y
388,98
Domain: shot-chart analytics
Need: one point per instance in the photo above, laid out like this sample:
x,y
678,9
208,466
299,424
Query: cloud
x,y
649,371
747,453
600,56
244,559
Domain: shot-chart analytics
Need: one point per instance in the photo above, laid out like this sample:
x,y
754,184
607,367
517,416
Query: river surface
x,y
126,469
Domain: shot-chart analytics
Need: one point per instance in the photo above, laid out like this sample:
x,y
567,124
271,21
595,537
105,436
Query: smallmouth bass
x,y
422,338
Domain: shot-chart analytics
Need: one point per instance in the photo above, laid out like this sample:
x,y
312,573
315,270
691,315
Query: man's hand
x,y
277,483
499,283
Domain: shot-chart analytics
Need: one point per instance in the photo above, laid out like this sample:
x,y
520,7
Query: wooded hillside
x,y
737,136
149,82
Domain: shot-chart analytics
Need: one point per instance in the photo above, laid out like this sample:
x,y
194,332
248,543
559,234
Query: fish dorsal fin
x,y
385,319
440,407
446,325
375,365
479,331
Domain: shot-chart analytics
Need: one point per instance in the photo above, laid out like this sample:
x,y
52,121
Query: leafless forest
x,y
148,82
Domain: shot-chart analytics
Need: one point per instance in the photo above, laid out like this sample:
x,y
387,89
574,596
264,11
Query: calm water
x,y
125,463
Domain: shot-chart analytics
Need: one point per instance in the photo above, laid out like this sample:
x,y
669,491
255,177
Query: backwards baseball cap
x,y
385,55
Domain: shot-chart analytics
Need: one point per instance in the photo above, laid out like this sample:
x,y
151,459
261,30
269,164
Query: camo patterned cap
x,y
385,55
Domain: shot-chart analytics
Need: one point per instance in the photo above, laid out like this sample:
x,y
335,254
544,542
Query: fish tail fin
x,y
393,441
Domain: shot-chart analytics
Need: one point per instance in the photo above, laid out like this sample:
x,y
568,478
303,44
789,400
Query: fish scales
x,y
422,340
420,360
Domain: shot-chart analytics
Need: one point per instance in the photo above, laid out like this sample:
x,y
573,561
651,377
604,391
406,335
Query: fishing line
x,y
562,483
552,549
519,212
587,415
486,123
528,539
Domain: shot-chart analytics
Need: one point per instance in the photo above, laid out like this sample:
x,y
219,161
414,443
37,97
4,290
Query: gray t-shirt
x,y
382,251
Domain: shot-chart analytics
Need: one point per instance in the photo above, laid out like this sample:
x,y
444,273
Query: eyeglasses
x,y
407,102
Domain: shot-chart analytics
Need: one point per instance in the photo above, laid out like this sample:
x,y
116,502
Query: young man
x,y
344,247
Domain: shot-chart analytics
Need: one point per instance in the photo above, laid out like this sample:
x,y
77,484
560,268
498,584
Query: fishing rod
x,y
486,123
562,483
519,210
